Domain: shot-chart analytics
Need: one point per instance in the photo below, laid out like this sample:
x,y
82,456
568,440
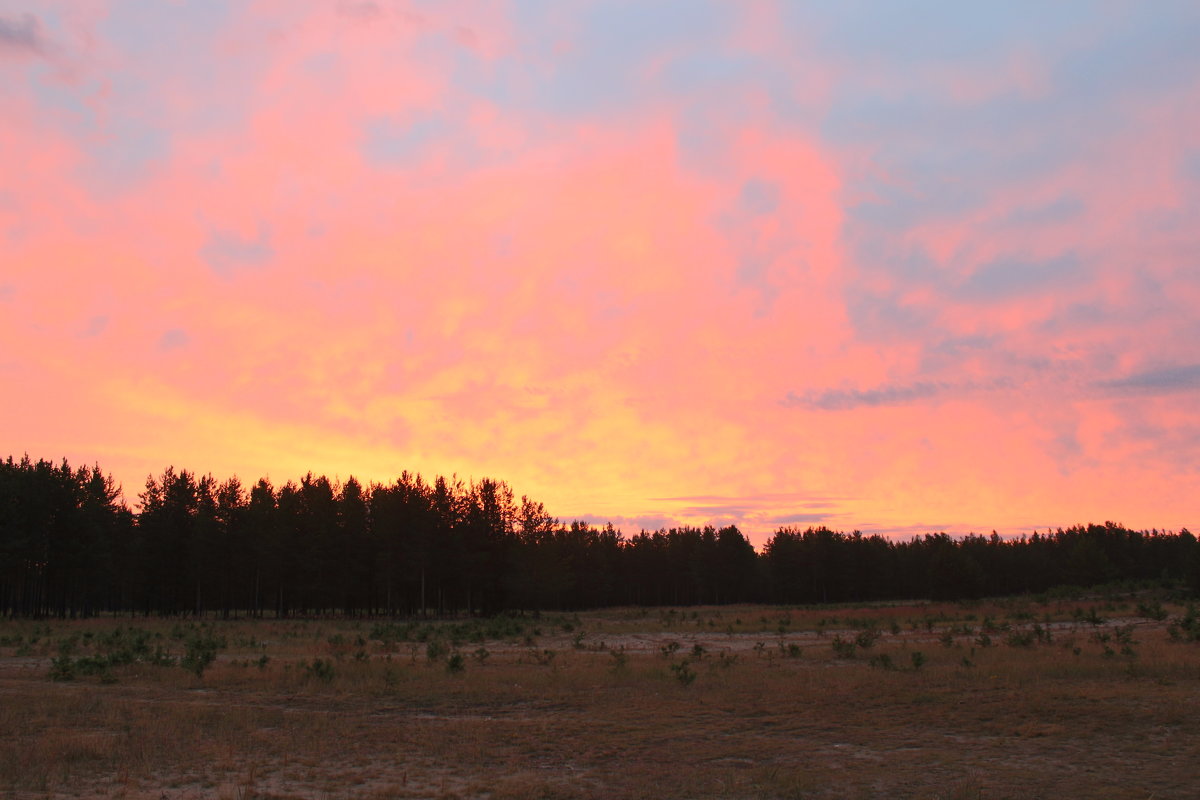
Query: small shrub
x,y
619,659
843,648
697,651
481,654
200,651
918,659
1186,629
669,649
92,665
1152,610
436,650
455,663
867,638
320,669
1020,639
881,661
62,669
684,673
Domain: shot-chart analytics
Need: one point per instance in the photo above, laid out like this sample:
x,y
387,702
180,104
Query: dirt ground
x,y
830,703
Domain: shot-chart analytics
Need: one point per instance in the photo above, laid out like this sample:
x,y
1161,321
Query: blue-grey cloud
x,y
604,69
926,33
887,395
227,252
730,510
1008,278
22,35
797,519
1191,165
1077,316
95,326
844,400
765,500
1162,380
760,197
1064,209
173,339
390,142
627,525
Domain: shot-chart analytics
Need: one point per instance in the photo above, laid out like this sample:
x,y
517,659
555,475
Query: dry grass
x,y
598,705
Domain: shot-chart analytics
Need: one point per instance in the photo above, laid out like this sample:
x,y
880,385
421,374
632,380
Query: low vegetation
x,y
1095,696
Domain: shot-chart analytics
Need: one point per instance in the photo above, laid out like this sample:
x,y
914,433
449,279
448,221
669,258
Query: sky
x,y
899,267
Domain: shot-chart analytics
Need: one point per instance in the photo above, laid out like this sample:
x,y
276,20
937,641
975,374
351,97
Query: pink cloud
x,y
582,305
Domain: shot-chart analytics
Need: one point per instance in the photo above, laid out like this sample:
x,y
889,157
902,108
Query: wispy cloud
x,y
1006,278
173,339
226,252
1161,380
799,519
21,35
847,399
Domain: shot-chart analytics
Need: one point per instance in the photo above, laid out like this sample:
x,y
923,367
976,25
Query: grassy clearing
x,y
1015,698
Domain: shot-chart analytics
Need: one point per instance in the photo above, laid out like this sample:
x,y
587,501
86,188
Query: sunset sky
x,y
895,266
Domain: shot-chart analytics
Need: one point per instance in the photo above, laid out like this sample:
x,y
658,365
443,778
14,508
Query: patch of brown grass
x,y
768,714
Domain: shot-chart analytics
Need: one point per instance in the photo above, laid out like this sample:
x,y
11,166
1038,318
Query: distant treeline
x,y
69,546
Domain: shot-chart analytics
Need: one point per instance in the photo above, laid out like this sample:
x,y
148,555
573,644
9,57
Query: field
x,y
1095,697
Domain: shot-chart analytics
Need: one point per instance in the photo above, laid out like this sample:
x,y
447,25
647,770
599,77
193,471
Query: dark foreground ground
x,y
1093,698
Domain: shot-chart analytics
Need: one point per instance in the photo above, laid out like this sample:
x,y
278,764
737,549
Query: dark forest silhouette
x,y
69,546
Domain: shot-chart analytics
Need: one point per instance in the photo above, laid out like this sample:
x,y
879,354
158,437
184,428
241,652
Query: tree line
x,y
70,546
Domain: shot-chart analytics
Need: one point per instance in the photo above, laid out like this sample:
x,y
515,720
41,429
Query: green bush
x,y
684,673
843,648
867,638
200,651
881,661
320,669
436,650
1152,610
1020,639
62,668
